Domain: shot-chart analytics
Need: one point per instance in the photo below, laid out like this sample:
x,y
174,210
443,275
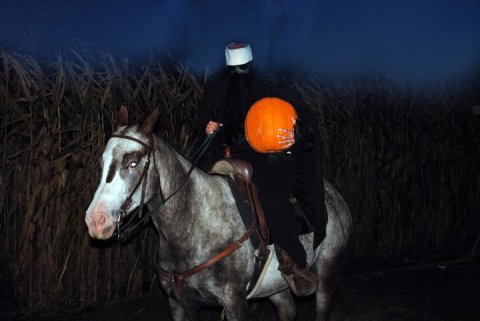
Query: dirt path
x,y
433,293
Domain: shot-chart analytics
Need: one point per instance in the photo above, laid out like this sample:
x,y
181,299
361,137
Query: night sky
x,y
410,38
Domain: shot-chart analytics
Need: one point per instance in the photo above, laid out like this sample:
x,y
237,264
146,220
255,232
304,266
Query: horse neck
x,y
175,186
170,167
199,208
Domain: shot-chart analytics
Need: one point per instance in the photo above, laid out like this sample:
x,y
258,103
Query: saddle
x,y
239,175
245,193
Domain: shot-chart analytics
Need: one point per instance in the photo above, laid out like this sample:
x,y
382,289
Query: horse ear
x,y
150,122
122,117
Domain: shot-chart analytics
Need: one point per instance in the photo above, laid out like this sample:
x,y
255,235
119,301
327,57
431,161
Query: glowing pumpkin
x,y
263,121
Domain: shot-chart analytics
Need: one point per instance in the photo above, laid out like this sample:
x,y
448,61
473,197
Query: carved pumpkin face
x,y
263,121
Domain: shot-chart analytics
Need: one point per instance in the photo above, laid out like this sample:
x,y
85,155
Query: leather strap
x,y
128,201
253,195
149,147
179,278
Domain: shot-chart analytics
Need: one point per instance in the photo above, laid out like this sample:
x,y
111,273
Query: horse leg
x,y
183,311
236,308
328,276
285,305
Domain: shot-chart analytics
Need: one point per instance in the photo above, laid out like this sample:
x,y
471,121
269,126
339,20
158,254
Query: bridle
x,y
130,228
135,223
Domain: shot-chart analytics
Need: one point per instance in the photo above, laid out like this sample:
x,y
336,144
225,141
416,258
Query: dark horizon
x,y
415,40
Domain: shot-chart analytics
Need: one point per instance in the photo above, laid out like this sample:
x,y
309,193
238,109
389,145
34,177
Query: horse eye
x,y
132,164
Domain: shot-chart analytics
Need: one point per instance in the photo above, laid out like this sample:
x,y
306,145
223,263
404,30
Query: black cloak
x,y
226,99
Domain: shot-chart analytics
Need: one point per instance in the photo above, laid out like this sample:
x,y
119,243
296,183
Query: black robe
x,y
298,171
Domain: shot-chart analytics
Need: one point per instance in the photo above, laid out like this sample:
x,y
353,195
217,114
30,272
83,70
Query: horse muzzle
x,y
101,225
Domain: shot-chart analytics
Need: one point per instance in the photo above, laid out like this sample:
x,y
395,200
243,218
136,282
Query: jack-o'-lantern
x,y
263,121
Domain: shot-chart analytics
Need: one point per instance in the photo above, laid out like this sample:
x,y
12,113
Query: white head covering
x,y
238,54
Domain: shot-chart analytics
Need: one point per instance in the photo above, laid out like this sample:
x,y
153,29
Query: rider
x,y
226,100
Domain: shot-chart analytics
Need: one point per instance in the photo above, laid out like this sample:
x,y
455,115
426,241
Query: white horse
x,y
199,220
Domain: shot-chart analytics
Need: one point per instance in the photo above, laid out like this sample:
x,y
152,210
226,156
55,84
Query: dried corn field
x,y
405,159
55,121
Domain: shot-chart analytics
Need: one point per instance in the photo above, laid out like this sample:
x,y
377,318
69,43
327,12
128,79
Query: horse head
x,y
125,166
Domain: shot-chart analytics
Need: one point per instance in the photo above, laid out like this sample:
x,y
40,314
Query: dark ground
x,y
424,291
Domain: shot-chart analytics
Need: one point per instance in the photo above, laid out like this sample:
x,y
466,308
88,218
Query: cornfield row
x,y
406,161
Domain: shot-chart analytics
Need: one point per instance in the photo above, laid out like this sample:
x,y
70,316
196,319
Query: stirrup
x,y
301,281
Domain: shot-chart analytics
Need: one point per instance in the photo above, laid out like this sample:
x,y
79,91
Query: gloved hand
x,y
304,135
212,127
